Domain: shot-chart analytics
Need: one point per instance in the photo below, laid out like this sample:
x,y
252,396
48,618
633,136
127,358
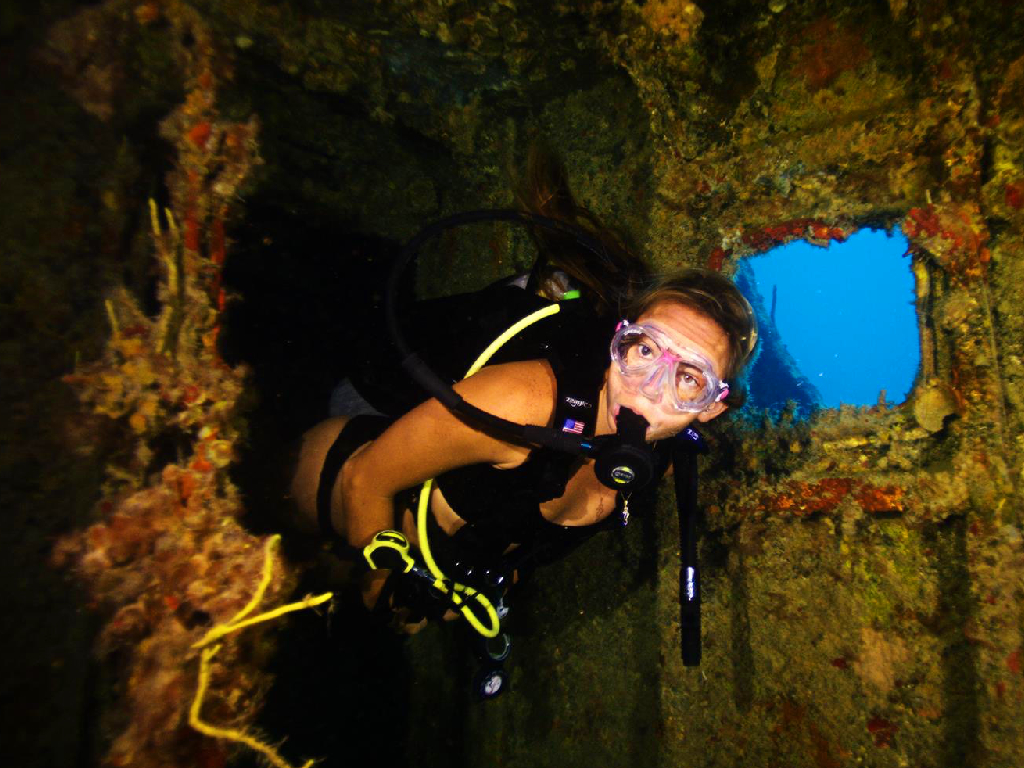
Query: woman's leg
x,y
305,481
316,483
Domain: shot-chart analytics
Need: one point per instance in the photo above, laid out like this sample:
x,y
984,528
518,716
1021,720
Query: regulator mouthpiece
x,y
626,462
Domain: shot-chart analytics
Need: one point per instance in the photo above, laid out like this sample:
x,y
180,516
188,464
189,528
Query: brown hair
x,y
614,281
713,295
607,279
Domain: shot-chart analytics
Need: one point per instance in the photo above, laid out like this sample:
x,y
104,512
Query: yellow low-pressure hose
x,y
460,593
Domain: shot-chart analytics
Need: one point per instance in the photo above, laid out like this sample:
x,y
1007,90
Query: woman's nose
x,y
653,385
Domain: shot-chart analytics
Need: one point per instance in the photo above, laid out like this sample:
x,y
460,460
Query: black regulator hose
x,y
684,460
625,459
425,376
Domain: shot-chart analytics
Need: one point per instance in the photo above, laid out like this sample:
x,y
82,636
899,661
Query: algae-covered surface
x,y
863,570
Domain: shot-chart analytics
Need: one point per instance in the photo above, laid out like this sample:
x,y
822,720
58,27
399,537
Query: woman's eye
x,y
689,382
647,348
640,353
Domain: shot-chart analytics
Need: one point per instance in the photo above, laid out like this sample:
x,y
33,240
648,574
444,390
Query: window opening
x,y
838,324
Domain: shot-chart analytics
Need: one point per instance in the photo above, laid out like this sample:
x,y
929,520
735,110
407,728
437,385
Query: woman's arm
x,y
430,440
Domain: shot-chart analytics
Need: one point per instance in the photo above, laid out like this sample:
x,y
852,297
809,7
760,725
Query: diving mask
x,y
665,372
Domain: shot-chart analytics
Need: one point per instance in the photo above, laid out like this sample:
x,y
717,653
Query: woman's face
x,y
687,328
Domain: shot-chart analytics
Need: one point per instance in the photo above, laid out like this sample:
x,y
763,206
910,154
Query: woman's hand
x,y
404,619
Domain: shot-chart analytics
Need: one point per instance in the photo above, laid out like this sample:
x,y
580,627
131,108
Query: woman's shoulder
x,y
522,391
430,439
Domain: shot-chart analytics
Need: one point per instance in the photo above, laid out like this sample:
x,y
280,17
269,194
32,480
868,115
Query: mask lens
x,y
691,383
636,351
660,369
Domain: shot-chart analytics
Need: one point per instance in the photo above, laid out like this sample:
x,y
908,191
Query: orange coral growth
x,y
883,730
833,52
800,498
812,230
1014,194
1013,662
807,498
888,498
147,13
679,19
171,564
717,258
191,231
199,134
167,558
217,241
953,234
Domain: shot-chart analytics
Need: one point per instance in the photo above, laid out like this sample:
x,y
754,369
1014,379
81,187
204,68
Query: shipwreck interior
x,y
200,203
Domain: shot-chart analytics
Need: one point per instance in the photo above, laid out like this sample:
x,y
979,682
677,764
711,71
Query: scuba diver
x,y
629,356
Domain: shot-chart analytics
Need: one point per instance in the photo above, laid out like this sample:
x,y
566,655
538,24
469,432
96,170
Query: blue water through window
x,y
838,324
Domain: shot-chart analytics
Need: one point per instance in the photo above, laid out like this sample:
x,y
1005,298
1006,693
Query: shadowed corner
x,y
961,681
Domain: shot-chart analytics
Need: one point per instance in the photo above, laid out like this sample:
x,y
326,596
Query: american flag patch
x,y
571,425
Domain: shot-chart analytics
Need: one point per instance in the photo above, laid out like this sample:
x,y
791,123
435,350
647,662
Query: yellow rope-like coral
x,y
154,217
166,249
234,624
218,632
231,734
268,572
115,327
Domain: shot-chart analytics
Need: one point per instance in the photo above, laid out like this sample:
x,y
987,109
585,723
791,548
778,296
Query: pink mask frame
x,y
655,377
